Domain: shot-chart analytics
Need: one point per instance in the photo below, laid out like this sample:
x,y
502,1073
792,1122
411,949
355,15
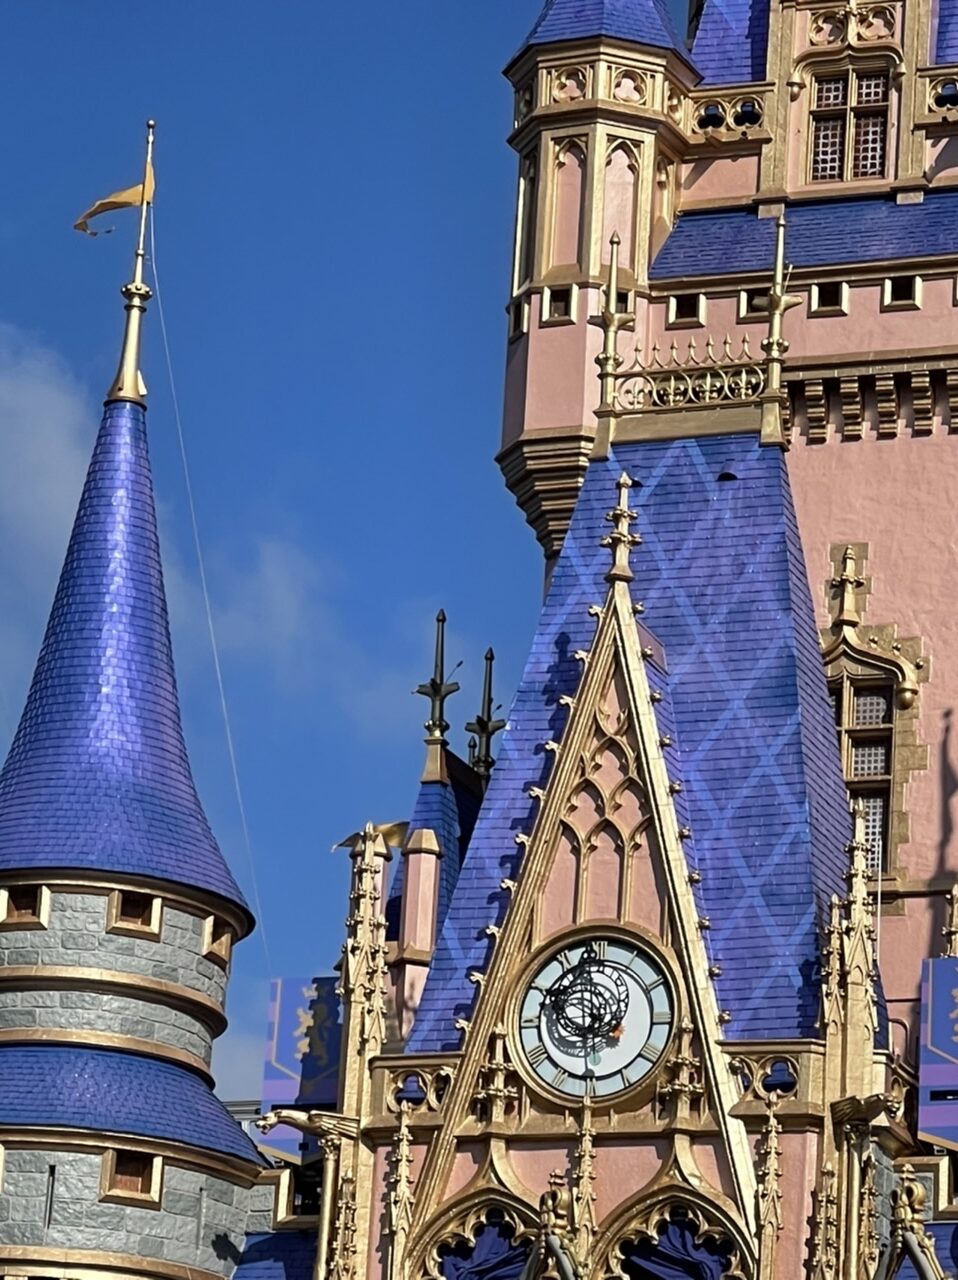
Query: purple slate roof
x,y
278,1255
722,578
98,778
98,1089
638,21
731,43
819,233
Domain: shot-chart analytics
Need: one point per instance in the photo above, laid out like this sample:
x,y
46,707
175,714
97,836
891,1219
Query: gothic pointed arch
x,y
874,680
486,1234
671,1230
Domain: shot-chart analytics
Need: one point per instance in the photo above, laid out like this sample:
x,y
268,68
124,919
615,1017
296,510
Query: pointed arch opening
x,y
570,166
619,208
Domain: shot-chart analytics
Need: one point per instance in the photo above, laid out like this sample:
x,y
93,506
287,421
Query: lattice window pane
x,y
875,809
872,707
868,158
835,698
870,759
828,149
832,91
872,90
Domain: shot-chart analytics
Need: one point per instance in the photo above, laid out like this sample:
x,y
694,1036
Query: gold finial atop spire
x,y
775,346
845,585
128,383
612,321
437,690
621,540
484,727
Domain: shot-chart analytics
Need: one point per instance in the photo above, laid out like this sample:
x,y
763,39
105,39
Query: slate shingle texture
x,y
722,577
98,777
731,43
638,21
278,1255
818,234
105,1091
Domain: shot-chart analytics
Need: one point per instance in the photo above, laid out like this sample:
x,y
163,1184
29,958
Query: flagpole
x,y
128,383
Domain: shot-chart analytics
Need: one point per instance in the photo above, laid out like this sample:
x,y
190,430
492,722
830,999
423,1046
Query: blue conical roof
x,y
639,21
98,778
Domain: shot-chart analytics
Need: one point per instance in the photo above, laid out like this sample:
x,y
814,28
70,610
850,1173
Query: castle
x,y
662,981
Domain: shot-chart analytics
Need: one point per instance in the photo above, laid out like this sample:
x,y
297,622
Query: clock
x,y
596,1017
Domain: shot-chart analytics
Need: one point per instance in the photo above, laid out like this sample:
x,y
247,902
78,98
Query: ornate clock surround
x,y
660,958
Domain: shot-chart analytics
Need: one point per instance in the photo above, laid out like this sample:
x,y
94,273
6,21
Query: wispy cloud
x,y
279,610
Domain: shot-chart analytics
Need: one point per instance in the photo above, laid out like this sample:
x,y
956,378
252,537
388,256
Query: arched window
x,y
679,1249
621,170
873,678
569,192
490,1252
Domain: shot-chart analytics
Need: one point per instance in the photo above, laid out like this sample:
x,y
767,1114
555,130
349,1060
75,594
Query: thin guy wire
x,y
206,600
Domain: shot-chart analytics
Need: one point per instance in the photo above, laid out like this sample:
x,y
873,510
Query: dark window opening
x,y
560,304
23,902
901,290
135,908
132,1173
830,295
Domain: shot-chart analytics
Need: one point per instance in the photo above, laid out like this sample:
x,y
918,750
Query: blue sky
x,y
333,222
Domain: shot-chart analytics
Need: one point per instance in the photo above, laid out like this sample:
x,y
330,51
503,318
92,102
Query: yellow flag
x,y
131,198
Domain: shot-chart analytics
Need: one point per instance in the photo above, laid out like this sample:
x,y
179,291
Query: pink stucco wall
x,y
901,497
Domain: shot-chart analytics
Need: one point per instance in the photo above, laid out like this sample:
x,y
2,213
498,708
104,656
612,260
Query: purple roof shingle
x,y
79,1088
98,778
722,577
638,21
818,233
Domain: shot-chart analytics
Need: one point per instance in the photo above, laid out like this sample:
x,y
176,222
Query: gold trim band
x,y
104,1040
89,1263
204,1008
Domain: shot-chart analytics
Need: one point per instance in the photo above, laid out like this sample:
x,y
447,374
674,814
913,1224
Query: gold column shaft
x,y
331,1147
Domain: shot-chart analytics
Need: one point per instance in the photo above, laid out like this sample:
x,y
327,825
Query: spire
x,y
484,727
437,690
638,21
98,779
128,383
621,540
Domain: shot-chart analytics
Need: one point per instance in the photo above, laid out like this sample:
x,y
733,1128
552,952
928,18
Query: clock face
x,y
596,1017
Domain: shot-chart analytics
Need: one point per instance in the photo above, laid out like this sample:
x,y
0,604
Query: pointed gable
x,y
723,584
731,43
98,778
638,21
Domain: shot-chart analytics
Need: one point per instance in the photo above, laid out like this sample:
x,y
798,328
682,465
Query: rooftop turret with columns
x,y
117,911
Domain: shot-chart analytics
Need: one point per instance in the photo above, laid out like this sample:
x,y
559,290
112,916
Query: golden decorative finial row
x,y
621,539
128,383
